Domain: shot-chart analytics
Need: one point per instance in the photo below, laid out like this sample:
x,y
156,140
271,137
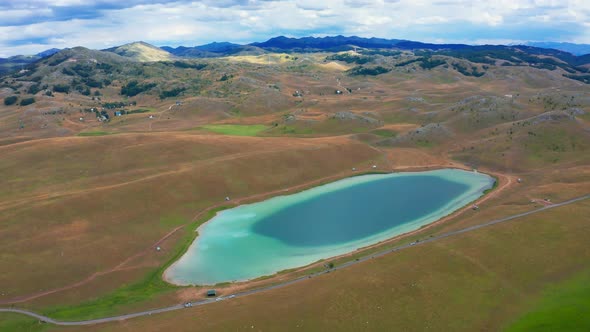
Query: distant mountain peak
x,y
575,49
141,51
48,52
332,43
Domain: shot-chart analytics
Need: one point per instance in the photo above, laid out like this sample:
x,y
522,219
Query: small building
x,y
338,92
519,180
158,248
374,166
227,198
117,113
211,293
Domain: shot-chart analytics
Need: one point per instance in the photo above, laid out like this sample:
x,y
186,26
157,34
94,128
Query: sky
x,y
32,26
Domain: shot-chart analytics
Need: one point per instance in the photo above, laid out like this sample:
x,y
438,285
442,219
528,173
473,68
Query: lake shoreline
x,y
288,192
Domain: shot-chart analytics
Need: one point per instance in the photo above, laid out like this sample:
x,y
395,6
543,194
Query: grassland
x,y
87,211
426,287
199,169
235,130
564,307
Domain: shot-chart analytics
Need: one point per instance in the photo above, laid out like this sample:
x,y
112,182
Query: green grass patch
x,y
235,130
494,186
384,133
10,322
94,133
147,288
564,307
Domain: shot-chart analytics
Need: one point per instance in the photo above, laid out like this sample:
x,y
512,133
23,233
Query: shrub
x,y
11,100
134,88
428,63
33,89
182,64
356,71
63,88
27,101
171,93
348,58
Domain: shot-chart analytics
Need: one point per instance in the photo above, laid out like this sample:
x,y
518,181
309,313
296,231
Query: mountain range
x,y
144,52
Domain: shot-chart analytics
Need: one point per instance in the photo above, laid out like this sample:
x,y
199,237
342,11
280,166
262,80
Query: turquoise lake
x,y
291,231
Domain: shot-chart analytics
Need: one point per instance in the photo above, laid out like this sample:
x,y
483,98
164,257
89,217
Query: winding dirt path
x,y
93,276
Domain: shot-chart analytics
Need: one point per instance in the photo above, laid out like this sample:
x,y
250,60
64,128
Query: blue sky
x,y
31,26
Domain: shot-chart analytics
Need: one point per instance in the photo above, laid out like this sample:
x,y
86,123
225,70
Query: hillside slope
x,y
141,51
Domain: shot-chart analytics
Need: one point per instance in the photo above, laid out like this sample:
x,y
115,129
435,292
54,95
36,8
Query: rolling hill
x,y
111,154
141,51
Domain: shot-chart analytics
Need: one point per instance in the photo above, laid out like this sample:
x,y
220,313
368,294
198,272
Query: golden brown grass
x,y
77,206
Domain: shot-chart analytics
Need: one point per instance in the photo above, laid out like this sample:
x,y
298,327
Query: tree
x,y
27,101
63,88
11,100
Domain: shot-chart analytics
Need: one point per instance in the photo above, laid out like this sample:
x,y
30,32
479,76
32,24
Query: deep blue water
x,y
359,211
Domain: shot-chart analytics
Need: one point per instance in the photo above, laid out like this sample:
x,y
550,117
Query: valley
x,y
111,154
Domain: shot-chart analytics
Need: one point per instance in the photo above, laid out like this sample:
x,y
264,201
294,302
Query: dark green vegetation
x,y
171,93
473,71
581,78
11,100
368,71
185,64
429,63
27,101
61,88
33,89
350,58
134,88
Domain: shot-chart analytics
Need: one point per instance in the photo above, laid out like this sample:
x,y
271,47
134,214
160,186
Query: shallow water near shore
x,y
286,232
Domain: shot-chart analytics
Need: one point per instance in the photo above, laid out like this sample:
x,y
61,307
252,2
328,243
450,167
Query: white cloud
x,y
195,22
